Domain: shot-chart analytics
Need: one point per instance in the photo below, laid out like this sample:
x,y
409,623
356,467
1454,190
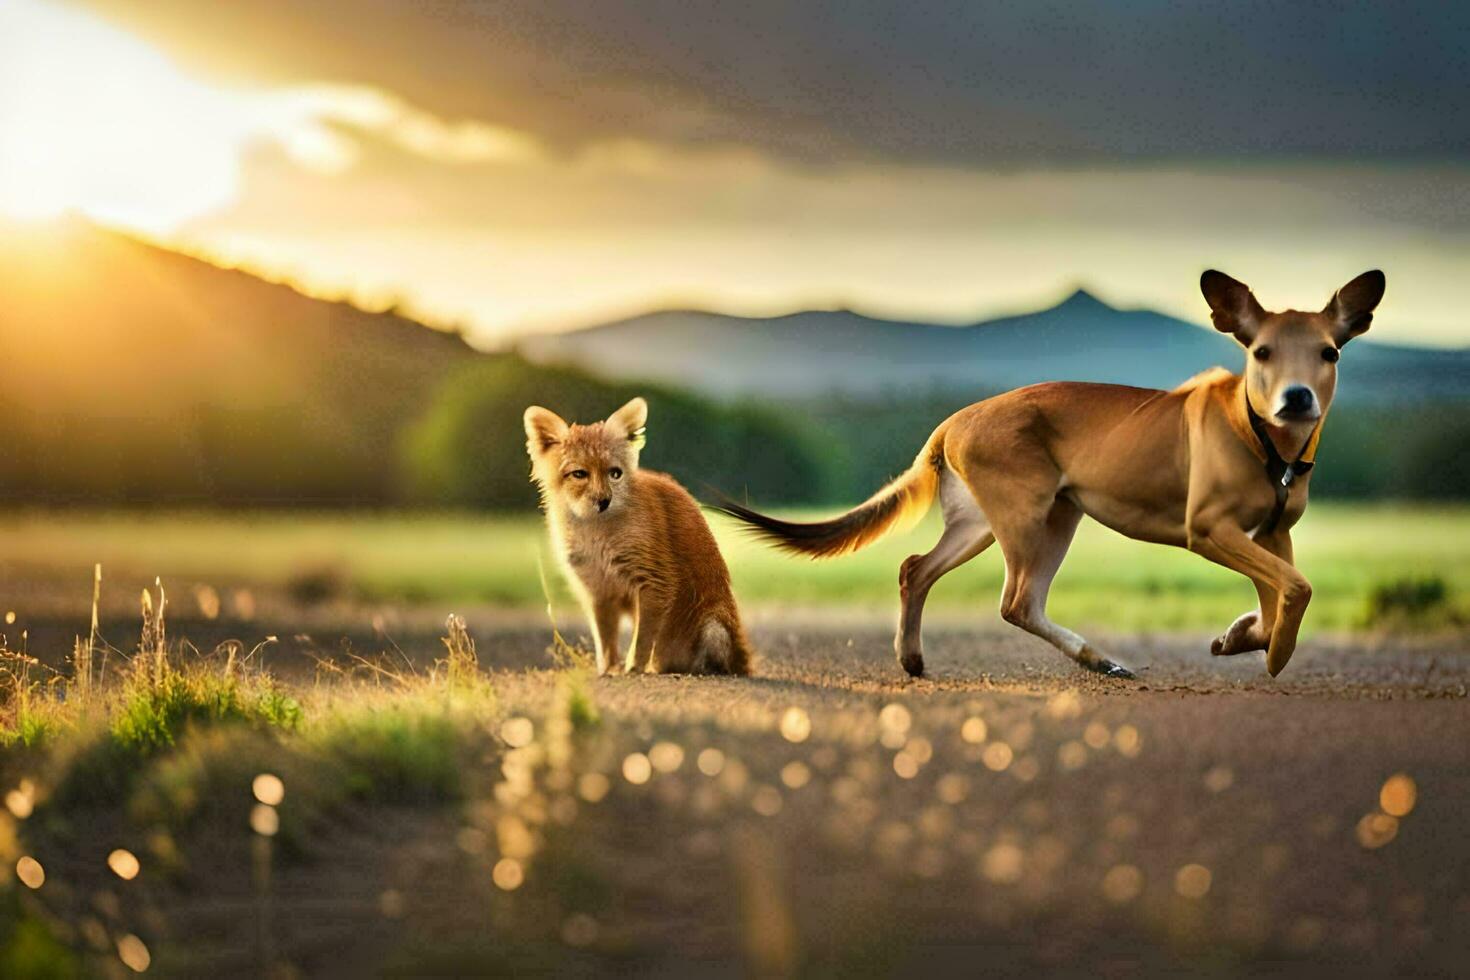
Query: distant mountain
x,y
130,372
1080,339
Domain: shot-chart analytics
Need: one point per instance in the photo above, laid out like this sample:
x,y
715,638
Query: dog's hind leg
x,y
1034,545
966,534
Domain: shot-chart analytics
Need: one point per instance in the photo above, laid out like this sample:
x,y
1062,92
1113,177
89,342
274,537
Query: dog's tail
x,y
903,501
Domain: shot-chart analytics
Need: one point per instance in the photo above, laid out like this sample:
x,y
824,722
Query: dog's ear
x,y
1233,307
544,429
630,420
1351,307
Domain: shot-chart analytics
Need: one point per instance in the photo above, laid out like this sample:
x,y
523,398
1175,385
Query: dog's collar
x,y
1281,473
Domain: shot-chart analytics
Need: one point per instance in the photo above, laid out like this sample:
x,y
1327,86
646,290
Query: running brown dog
x,y
1220,465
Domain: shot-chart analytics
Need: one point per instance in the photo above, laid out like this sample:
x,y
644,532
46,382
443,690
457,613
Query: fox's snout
x,y
602,504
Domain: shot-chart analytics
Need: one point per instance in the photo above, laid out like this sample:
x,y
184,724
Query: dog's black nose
x,y
603,503
1297,400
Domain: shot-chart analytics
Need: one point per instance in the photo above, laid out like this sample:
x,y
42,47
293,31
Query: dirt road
x,y
1206,817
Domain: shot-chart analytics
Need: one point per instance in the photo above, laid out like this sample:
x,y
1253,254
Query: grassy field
x,y
1346,551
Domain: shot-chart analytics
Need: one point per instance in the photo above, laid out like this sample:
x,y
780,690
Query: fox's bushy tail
x,y
903,501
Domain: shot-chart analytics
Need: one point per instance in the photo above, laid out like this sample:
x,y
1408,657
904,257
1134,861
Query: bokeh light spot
x,y
997,756
766,801
666,756
1398,796
19,803
124,864
1003,864
517,732
1072,755
508,874
264,820
133,953
796,726
637,769
796,774
1219,779
1122,883
593,786
1096,735
30,872
1128,741
268,789
1193,881
1377,829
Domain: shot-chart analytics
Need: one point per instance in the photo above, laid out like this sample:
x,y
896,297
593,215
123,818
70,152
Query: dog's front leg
x,y
1252,631
1230,546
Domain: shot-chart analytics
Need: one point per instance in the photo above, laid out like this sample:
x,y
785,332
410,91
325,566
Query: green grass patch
x,y
153,713
404,753
1346,550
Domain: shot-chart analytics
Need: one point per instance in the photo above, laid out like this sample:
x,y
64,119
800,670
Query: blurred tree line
x,y
469,448
1408,451
369,434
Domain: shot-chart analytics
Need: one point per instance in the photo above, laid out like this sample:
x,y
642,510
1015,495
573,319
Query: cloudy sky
x,y
543,164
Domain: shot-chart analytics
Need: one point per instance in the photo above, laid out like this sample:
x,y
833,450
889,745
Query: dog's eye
x,y
1262,353
578,474
616,473
1330,354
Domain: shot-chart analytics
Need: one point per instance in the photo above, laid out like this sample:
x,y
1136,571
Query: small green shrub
x,y
29,730
155,710
1421,603
310,585
27,946
577,701
278,710
400,754
31,713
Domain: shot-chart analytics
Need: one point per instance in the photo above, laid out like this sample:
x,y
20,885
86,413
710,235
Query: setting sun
x,y
95,122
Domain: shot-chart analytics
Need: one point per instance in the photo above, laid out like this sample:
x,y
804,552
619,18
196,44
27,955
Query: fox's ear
x,y
630,420
544,429
1233,307
1351,307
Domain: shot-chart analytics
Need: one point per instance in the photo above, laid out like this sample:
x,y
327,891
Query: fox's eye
x,y
1330,354
1262,353
578,474
616,473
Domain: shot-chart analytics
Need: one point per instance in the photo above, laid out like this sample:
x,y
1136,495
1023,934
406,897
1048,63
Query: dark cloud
x,y
981,84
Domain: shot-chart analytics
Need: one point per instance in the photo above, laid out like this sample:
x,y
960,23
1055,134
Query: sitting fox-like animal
x,y
635,546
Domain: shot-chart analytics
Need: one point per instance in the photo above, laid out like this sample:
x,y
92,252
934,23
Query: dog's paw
x,y
1242,637
1109,669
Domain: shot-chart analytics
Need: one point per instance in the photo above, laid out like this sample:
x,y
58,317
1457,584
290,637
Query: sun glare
x,y
94,121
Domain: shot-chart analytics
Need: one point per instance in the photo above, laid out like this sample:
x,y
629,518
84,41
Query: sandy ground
x,y
1007,813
